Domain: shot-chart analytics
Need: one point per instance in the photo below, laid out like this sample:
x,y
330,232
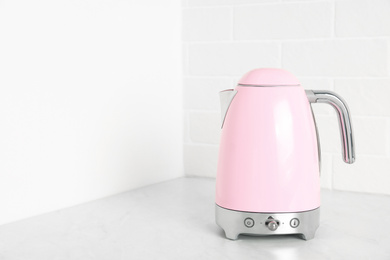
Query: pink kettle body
x,y
269,158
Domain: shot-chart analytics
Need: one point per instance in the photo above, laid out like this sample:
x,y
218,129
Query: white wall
x,y
90,100
335,45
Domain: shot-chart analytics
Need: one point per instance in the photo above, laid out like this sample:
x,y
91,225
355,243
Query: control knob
x,y
272,224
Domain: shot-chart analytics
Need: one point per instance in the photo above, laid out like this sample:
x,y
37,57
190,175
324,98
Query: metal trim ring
x,y
232,222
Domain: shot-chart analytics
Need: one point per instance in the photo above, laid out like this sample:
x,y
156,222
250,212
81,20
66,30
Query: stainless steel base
x,y
235,223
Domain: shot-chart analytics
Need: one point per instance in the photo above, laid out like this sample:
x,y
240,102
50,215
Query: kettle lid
x,y
269,77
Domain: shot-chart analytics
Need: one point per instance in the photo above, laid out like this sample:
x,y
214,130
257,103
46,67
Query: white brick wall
x,y
224,58
336,58
286,21
362,18
342,46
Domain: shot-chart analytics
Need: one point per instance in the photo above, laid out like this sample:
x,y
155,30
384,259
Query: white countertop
x,y
175,220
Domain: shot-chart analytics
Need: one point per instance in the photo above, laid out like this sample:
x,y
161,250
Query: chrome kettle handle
x,y
331,98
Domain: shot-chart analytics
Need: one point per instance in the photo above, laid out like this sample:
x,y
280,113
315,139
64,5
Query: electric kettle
x,y
269,155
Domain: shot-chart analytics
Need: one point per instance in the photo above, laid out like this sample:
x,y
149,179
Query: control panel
x,y
271,223
234,223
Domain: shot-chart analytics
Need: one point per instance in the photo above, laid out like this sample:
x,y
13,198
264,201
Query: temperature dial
x,y
272,224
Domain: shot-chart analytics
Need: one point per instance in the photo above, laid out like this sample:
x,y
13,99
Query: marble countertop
x,y
175,220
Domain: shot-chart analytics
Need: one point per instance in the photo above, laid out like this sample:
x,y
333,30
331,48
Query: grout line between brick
x,y
299,76
344,77
369,116
187,59
206,111
325,39
278,2
388,137
202,144
208,77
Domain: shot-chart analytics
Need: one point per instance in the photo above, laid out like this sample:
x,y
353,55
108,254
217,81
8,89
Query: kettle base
x,y
234,223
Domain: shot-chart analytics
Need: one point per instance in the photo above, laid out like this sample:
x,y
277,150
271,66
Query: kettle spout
x,y
226,97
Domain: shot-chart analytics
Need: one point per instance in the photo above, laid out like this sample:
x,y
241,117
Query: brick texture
x,y
341,46
288,21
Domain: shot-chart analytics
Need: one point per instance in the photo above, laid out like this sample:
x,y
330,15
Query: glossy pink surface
x,y
269,77
268,158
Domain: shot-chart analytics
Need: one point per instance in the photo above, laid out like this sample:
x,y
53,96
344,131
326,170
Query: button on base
x,y
249,222
294,223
